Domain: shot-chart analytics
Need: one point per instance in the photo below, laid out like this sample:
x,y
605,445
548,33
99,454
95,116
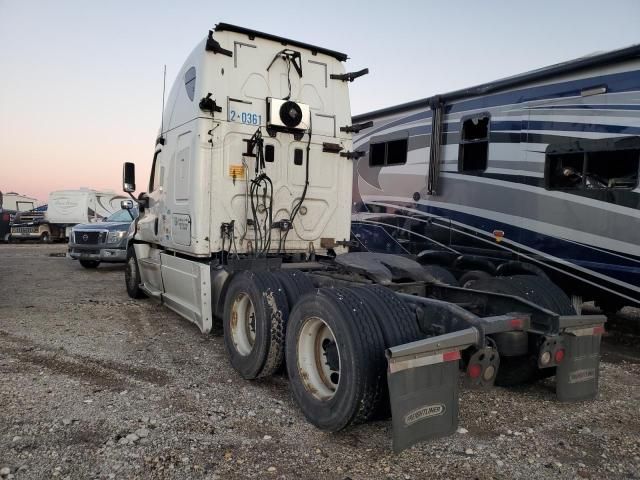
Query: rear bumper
x,y
25,236
423,376
112,255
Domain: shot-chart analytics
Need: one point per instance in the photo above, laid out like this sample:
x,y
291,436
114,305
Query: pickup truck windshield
x,y
122,216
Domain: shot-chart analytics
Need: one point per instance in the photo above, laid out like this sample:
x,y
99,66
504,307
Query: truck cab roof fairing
x,y
221,27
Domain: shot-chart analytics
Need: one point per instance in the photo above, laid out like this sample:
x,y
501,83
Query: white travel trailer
x,y
16,202
67,208
247,222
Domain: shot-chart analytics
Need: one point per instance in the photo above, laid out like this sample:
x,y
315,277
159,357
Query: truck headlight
x,y
115,237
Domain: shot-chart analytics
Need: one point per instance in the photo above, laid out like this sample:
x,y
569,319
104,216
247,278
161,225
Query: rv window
x,y
397,152
617,169
393,152
474,144
190,82
610,169
565,170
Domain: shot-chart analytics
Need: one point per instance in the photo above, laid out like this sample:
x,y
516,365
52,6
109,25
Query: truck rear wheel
x,y
294,283
89,263
254,320
335,358
132,275
398,326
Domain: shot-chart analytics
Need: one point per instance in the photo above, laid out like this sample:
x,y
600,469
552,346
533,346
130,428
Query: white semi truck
x,y
246,222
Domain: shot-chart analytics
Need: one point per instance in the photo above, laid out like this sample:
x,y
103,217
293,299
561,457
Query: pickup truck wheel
x,y
89,263
132,275
335,358
254,319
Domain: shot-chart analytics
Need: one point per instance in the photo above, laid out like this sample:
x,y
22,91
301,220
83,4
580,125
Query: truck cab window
x,y
393,152
190,82
474,144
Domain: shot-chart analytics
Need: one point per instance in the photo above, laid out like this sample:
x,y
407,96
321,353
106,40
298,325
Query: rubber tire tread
x,y
396,321
441,274
90,263
398,326
294,283
272,312
532,288
133,292
367,356
473,274
278,324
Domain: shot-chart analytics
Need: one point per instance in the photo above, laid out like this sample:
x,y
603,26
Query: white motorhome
x,y
247,221
67,208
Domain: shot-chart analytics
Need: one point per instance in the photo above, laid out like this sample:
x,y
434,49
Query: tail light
x,y
482,367
474,371
559,356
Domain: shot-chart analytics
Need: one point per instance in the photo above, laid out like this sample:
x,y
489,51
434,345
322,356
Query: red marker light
x,y
450,356
474,370
516,323
599,330
559,356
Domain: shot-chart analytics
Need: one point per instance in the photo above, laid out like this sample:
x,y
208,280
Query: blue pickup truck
x,y
106,241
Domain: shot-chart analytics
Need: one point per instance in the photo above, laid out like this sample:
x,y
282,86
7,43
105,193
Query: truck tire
x,y
467,279
335,358
132,275
441,274
523,368
294,283
254,320
397,323
45,238
398,326
89,263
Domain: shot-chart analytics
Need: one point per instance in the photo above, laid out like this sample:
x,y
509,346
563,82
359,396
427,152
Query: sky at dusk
x,y
81,81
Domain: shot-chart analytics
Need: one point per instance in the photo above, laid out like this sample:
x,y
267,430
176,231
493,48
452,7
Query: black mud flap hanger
x,y
578,374
423,386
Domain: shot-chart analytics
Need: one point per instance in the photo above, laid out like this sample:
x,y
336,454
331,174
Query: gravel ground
x,y
95,385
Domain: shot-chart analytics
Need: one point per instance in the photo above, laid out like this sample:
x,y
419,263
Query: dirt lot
x,y
83,367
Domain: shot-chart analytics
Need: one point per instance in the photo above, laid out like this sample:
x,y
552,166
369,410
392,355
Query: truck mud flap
x,y
423,387
578,374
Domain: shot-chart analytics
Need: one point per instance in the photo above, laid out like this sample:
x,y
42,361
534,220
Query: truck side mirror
x,y
129,177
126,204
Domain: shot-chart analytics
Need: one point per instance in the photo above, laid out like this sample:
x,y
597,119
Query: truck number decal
x,y
248,118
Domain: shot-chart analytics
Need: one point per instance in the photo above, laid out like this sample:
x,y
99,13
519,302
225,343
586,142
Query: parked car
x,y
93,243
